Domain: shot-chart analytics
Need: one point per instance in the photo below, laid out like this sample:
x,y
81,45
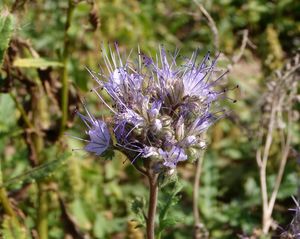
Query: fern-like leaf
x,y
172,199
11,229
137,208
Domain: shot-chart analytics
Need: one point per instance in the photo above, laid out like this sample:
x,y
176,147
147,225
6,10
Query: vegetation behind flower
x,y
54,193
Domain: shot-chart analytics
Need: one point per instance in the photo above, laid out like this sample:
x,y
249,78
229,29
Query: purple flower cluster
x,y
160,109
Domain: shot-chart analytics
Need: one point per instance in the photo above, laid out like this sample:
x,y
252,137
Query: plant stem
x,y
42,210
152,205
65,85
22,111
42,220
4,200
266,219
197,223
8,209
38,146
211,23
6,204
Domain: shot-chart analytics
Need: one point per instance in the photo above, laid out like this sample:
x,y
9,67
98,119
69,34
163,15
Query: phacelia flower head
x,y
162,106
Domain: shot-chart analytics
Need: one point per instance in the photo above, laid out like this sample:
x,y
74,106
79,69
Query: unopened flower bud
x,y
156,125
180,129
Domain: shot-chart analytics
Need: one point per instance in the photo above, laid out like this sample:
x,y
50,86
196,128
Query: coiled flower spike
x,y
161,108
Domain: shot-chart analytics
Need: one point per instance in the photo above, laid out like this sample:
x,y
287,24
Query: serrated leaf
x,y
6,30
36,63
172,199
11,229
137,207
164,180
168,222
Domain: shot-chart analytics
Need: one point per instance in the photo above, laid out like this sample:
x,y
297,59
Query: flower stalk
x,y
197,220
42,215
38,143
153,193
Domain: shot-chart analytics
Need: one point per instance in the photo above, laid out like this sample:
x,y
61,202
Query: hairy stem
x,y
197,223
152,205
65,85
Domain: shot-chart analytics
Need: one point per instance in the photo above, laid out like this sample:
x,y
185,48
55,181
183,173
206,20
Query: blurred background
x,y
50,190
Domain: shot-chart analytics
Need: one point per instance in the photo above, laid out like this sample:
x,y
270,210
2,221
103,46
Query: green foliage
x,y
7,117
98,192
6,31
138,207
12,229
166,203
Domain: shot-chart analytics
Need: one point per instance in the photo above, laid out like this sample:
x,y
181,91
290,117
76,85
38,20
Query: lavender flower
x,y
100,138
98,133
161,109
172,157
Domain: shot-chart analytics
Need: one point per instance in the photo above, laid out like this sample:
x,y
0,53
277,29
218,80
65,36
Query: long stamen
x,y
120,145
75,137
103,101
132,130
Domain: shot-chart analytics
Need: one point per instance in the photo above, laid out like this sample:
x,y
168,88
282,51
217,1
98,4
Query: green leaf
x,y
79,211
171,200
288,186
168,222
100,226
6,30
137,207
7,113
36,63
12,230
